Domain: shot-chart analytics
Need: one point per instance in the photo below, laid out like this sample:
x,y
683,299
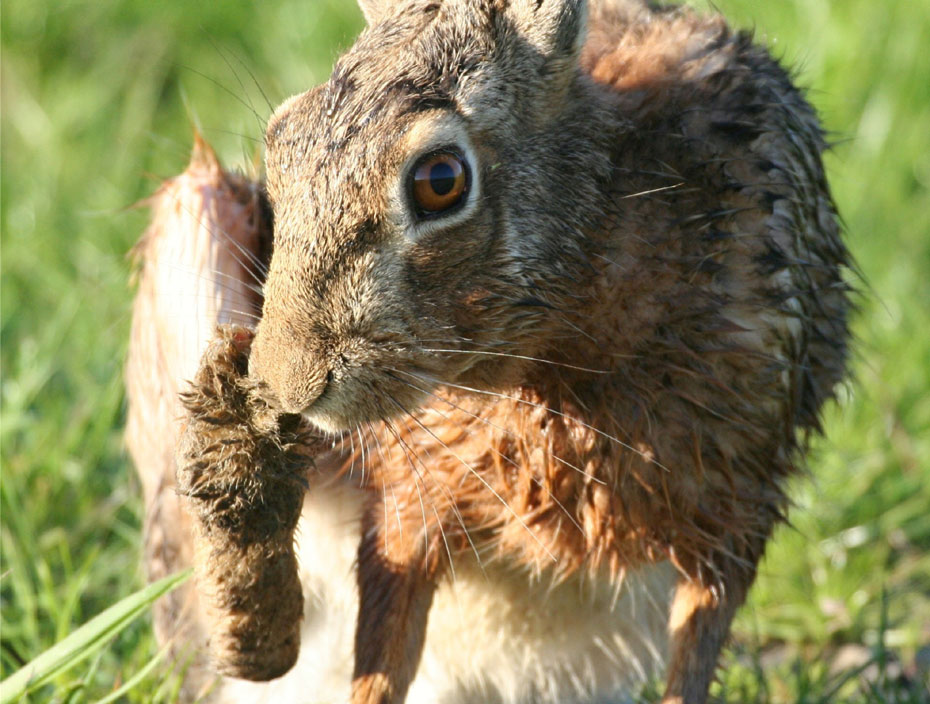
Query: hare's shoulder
x,y
721,155
668,61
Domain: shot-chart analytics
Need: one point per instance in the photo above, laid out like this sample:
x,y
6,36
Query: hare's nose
x,y
295,376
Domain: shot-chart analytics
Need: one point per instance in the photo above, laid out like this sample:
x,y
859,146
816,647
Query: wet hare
x,y
561,284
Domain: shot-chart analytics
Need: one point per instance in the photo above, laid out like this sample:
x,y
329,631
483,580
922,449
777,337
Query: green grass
x,y
87,640
98,103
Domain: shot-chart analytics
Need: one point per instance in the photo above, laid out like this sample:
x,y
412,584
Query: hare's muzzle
x,y
293,376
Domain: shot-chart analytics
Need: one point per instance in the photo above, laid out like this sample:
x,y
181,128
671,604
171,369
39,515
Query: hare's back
x,y
721,173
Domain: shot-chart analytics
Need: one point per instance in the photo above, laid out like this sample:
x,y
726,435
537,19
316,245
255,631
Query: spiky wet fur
x,y
611,364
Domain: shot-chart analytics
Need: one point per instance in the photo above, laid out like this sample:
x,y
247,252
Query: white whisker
x,y
520,356
416,479
540,406
652,190
489,488
491,424
452,502
251,258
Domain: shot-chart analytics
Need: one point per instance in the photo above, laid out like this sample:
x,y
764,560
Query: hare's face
x,y
415,215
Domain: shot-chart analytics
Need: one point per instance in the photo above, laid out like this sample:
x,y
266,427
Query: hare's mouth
x,y
354,401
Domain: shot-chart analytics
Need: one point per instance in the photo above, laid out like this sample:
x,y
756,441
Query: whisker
x,y
363,449
400,525
520,356
416,479
202,275
219,130
452,502
250,257
255,81
579,330
251,287
490,423
488,486
511,461
239,81
244,314
352,453
224,88
651,191
216,232
540,406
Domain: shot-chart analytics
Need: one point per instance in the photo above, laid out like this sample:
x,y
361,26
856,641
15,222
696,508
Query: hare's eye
x,y
440,182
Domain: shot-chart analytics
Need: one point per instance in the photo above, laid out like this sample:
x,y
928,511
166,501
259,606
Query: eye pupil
x,y
439,182
442,178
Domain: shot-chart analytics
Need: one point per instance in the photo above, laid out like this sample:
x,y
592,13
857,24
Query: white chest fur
x,y
494,634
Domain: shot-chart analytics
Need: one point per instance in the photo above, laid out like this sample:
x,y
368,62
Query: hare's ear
x,y
555,28
374,10
554,31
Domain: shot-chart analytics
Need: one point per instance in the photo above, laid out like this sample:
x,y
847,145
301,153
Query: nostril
x,y
293,391
298,386
287,376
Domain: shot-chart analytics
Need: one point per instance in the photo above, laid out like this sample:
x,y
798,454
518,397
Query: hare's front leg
x,y
700,620
396,581
699,625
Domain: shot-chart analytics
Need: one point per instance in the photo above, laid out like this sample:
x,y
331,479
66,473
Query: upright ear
x,y
555,28
554,31
377,10
374,10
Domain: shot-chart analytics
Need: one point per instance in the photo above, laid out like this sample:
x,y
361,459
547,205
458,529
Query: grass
x,y
87,640
98,104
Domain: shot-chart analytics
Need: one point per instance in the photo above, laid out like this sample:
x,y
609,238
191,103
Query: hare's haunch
x,y
563,285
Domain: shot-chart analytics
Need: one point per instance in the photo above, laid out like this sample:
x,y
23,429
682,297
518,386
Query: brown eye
x,y
439,182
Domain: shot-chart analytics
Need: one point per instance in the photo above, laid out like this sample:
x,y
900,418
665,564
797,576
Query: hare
x,y
557,292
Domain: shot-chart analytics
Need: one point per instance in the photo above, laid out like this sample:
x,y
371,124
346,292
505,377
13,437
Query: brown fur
x,y
611,357
241,467
672,230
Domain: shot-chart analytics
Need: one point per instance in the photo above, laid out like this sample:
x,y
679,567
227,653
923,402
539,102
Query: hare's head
x,y
428,202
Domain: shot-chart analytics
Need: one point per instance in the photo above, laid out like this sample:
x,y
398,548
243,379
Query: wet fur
x,y
613,361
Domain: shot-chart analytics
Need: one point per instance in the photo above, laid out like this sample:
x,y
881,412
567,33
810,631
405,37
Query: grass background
x,y
98,102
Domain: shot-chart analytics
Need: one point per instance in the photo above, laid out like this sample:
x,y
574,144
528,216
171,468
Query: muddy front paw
x,y
242,467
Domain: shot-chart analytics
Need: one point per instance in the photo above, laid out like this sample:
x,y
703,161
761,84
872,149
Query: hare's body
x,y
494,635
569,396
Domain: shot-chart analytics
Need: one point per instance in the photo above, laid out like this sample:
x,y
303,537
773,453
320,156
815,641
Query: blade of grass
x,y
136,678
86,640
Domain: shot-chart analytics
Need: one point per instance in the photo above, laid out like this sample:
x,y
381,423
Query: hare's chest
x,y
494,634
